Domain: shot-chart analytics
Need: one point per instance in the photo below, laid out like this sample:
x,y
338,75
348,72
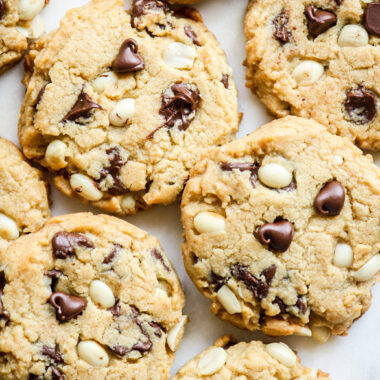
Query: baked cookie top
x,y
24,204
282,230
88,297
227,360
19,20
142,94
318,59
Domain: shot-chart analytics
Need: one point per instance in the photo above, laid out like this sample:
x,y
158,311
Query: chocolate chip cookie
x,y
19,20
282,230
227,360
318,59
120,105
24,205
88,297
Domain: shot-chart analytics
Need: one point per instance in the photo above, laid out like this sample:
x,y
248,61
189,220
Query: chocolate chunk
x,y
282,32
4,315
192,35
225,81
115,309
319,20
40,95
53,353
64,243
278,235
188,12
67,306
258,288
269,273
301,305
128,60
371,18
143,7
281,305
81,108
2,9
330,199
157,329
360,105
217,281
116,248
157,255
56,374
243,166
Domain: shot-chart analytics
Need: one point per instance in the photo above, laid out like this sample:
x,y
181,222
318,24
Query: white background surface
x,y
356,357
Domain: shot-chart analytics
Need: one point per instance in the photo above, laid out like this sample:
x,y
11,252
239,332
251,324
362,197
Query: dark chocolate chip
x,y
2,9
278,235
192,35
34,377
188,12
258,288
67,306
4,315
143,7
330,199
282,32
53,353
243,166
225,81
302,306
269,273
278,301
319,20
157,255
128,60
371,18
360,105
81,108
64,243
121,350
115,249
217,281
56,374
157,329
40,94
142,346
115,309
54,273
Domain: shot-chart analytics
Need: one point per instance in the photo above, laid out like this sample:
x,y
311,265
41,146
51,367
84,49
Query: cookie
x,y
19,20
282,230
24,204
88,297
227,360
318,59
132,121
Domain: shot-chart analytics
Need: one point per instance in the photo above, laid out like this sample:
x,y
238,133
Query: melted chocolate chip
x,y
371,18
53,353
330,199
192,35
243,166
56,374
157,255
81,108
225,81
188,12
128,60
2,9
157,329
67,306
319,20
54,275
4,315
269,273
143,7
258,288
301,305
40,95
142,346
278,235
281,305
217,281
115,309
360,105
64,243
282,32
115,249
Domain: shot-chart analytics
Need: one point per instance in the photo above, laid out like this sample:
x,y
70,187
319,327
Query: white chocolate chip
x,y
320,333
209,222
8,228
213,361
35,30
85,187
282,353
93,353
179,56
101,294
123,111
55,154
308,72
376,158
128,203
105,80
368,270
275,176
343,255
303,331
228,299
28,9
353,35
175,334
